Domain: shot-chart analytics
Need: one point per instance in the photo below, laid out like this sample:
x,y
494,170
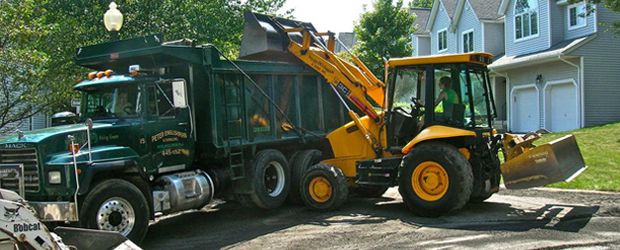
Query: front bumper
x,y
55,211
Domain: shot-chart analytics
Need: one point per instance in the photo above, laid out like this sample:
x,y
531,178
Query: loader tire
x,y
370,192
324,187
270,177
483,193
300,162
435,179
116,205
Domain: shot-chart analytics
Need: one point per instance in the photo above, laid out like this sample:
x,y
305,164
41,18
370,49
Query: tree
x,y
421,4
38,46
613,5
384,32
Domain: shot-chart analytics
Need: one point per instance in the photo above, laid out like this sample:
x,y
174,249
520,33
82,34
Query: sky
x,y
333,15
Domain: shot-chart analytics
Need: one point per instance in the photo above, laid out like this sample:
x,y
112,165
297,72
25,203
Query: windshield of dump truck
x,y
111,102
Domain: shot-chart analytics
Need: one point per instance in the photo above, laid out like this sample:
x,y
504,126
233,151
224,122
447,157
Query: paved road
x,y
525,219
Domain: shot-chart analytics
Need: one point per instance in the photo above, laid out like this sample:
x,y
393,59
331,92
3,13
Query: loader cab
x,y
447,90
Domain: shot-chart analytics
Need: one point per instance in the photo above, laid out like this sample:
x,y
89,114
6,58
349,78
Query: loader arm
x,y
353,81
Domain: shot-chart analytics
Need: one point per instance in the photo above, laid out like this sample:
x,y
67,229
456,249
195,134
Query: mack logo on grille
x,y
15,146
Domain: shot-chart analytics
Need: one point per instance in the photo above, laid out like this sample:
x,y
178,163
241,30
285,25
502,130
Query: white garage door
x,y
525,114
562,107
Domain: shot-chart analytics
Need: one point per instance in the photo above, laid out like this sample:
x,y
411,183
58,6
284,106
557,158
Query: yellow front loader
x,y
427,129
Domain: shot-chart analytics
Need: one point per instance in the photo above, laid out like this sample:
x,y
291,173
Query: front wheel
x,y
435,179
116,205
323,187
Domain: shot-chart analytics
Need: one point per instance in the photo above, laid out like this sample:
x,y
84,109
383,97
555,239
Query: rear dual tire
x,y
269,180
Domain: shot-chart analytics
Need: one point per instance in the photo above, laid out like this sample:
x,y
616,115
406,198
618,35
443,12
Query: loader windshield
x,y
460,95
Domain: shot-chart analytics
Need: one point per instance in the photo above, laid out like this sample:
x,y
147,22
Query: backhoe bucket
x,y
559,160
264,38
81,238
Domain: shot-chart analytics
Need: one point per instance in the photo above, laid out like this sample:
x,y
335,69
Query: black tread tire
x,y
337,180
460,178
370,191
482,196
116,188
299,163
260,195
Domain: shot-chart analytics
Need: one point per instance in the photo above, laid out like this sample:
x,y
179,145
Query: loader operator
x,y
447,97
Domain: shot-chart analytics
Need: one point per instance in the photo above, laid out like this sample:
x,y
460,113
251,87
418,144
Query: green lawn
x,y
600,147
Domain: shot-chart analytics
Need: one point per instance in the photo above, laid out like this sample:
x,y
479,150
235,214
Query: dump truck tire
x,y
299,163
370,192
116,205
270,179
435,179
324,187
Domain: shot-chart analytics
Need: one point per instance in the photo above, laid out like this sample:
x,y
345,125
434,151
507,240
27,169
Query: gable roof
x,y
483,9
450,6
422,15
486,9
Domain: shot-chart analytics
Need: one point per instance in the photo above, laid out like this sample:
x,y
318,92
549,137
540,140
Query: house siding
x,y
578,32
601,72
531,45
414,45
442,21
468,21
553,71
424,45
494,38
558,22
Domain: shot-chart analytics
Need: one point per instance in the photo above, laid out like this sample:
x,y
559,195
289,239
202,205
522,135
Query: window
x,y
577,15
526,19
160,100
468,41
442,40
111,103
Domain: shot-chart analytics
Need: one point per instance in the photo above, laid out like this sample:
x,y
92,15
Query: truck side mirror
x,y
179,94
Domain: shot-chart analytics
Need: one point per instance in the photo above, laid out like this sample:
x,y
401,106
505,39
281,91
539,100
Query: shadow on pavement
x,y
231,224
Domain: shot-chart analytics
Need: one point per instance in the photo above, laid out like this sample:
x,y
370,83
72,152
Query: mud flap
x,y
556,161
81,238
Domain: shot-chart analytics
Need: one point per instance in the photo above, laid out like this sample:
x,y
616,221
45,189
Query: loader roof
x,y
477,58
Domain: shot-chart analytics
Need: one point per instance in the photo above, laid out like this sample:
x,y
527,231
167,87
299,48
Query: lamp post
x,y
113,20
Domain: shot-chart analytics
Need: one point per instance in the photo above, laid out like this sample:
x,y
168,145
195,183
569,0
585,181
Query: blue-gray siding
x,y
602,72
442,21
494,38
528,45
578,32
424,46
558,22
468,21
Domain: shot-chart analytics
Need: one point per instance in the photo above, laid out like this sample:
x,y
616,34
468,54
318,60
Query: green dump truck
x,y
168,126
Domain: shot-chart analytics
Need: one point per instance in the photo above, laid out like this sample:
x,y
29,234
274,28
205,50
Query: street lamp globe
x,y
113,18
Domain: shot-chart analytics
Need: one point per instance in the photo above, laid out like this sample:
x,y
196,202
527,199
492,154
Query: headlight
x,y
54,177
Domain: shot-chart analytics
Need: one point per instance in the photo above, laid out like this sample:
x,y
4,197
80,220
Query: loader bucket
x,y
558,160
80,238
264,38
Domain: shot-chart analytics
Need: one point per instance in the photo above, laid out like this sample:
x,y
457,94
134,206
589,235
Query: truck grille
x,y
29,158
